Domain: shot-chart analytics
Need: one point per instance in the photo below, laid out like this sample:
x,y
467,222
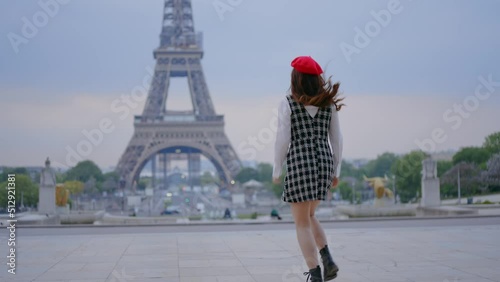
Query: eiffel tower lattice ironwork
x,y
161,135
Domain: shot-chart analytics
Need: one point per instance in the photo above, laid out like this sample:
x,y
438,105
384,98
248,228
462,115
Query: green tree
x,y
90,187
144,182
264,172
477,155
446,190
13,170
443,166
111,175
345,190
348,170
381,165
470,180
207,179
492,143
109,185
407,170
492,174
25,189
246,174
74,187
60,177
85,170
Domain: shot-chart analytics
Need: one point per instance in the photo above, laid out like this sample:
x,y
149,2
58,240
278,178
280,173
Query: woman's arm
x,y
283,137
336,140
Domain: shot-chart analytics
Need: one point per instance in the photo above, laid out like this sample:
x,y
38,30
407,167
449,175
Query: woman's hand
x,y
276,181
335,182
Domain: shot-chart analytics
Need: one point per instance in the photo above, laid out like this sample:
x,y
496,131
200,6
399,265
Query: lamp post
x,y
352,186
459,194
122,187
394,188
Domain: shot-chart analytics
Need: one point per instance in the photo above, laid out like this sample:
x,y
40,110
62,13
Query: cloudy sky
x,y
410,71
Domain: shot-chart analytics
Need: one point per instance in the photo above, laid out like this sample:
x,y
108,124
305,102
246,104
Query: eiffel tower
x,y
161,136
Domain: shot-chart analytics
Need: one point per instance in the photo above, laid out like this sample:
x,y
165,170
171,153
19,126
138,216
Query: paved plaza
x,y
433,253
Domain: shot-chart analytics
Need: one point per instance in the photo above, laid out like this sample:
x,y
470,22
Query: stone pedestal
x,y
47,191
47,200
383,202
431,196
430,193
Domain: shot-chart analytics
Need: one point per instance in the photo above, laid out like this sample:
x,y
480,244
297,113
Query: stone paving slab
x,y
441,254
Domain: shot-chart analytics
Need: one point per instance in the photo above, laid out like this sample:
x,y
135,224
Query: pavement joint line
x,y
252,223
52,266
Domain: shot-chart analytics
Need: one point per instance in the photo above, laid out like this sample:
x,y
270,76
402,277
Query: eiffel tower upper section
x,y
179,55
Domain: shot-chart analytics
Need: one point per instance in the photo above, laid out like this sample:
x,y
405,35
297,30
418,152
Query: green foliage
x,y
253,215
207,179
448,190
109,185
345,190
348,170
407,170
143,183
381,165
74,187
12,170
492,143
85,170
443,166
90,186
60,178
25,189
470,181
264,172
475,155
246,174
111,175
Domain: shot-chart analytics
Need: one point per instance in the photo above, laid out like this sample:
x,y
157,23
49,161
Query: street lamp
x,y
352,186
122,186
394,188
458,179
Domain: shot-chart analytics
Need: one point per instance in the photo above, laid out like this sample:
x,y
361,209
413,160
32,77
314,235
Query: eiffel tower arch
x,y
161,135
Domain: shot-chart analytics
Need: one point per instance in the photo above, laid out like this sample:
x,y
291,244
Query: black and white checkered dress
x,y
310,163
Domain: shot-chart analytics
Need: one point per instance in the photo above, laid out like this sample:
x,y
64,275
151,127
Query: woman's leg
x,y
330,269
300,212
317,230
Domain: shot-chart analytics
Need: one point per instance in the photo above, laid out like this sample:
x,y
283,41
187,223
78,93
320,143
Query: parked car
x,y
170,211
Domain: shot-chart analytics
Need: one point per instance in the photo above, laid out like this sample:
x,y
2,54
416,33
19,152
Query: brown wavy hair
x,y
314,90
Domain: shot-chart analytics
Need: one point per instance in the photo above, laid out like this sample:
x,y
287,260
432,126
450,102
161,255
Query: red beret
x,y
306,64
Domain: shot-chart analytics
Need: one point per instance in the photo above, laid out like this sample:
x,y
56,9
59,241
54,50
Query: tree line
x,y
479,167
86,178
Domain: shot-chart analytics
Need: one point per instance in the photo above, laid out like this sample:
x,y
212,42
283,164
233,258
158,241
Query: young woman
x,y
307,119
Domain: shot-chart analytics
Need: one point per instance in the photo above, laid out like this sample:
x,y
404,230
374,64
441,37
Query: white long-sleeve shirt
x,y
284,135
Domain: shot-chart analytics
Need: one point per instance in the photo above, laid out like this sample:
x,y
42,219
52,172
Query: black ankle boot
x,y
330,269
314,275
